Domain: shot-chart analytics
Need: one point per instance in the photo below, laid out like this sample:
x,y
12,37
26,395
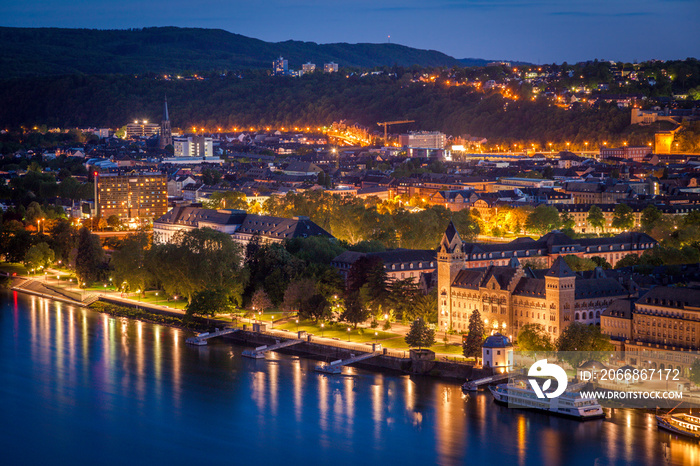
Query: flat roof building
x,y
130,196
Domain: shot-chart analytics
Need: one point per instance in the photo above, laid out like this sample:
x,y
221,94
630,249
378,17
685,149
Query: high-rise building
x,y
330,67
308,67
141,196
166,135
142,129
193,146
423,140
280,67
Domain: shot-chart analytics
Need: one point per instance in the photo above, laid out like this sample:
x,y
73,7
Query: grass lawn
x,y
12,267
339,331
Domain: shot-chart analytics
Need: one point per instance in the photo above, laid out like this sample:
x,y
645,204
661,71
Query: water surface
x,y
83,387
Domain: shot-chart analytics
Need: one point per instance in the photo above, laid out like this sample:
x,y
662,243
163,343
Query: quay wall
x,y
327,353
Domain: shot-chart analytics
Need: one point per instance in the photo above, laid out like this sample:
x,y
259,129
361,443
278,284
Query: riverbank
x,y
319,348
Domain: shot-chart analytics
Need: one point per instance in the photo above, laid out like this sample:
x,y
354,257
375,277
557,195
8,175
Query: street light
x,y
322,326
348,334
297,320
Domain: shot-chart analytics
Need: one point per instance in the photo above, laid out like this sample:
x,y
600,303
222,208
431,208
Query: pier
x,y
260,351
474,385
201,339
336,367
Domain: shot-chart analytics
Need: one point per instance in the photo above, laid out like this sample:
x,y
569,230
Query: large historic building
x,y
242,227
659,330
509,296
549,247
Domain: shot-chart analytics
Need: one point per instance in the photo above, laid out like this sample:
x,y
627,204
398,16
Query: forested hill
x,y
50,51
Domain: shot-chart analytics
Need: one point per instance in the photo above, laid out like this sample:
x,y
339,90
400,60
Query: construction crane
x,y
389,123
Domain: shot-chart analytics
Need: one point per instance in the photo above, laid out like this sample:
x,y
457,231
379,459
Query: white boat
x,y
571,404
681,424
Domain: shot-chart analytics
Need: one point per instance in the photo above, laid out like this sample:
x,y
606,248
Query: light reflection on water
x,y
92,386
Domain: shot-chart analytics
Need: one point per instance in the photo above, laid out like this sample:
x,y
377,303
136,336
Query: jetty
x,y
336,367
260,351
474,385
201,339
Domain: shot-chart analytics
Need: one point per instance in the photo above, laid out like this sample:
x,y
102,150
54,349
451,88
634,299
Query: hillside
x,y
52,51
313,100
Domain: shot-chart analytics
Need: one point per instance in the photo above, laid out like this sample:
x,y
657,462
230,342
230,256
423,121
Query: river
x,y
82,387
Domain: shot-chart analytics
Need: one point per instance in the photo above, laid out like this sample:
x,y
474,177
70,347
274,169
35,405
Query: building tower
x,y
166,135
560,293
450,260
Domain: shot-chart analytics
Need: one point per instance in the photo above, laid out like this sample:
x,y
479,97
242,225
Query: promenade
x,y
391,339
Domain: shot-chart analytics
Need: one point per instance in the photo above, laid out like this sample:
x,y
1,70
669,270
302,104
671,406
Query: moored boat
x,y
569,404
681,424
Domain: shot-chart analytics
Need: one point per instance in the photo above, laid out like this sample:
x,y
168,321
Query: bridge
x,y
474,385
260,351
201,339
336,367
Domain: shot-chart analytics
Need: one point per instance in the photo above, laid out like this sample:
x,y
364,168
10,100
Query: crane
x,y
389,123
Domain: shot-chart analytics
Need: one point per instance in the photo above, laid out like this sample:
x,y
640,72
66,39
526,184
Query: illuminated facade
x,y
142,129
510,296
131,196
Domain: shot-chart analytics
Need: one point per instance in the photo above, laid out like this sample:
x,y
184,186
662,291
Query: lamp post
x,y
322,327
297,321
348,334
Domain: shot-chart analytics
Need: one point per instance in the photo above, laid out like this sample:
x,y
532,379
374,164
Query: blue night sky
x,y
542,31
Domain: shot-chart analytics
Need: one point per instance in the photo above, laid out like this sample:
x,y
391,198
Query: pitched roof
x,y
560,269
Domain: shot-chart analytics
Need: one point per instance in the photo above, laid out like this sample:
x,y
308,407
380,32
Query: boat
x,y
518,394
681,424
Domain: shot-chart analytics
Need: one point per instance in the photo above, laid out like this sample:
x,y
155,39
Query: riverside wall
x,y
327,353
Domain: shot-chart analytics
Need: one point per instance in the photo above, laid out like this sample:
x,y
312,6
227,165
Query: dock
x,y
201,339
474,385
260,351
336,367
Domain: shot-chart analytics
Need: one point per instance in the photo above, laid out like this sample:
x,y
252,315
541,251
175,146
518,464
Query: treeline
x,y
318,99
217,275
391,223
50,51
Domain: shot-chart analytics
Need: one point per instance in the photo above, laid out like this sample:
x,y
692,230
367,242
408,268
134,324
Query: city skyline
x,y
518,30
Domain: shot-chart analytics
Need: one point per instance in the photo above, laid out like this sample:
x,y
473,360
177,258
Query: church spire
x,y
166,135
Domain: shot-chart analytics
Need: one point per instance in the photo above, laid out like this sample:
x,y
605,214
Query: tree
x,y
567,221
39,256
579,264
89,257
197,260
354,311
420,335
534,337
426,306
209,303
694,375
623,217
601,262
261,300
543,219
627,261
650,215
596,218
402,298
580,342
130,270
113,221
63,239
475,336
